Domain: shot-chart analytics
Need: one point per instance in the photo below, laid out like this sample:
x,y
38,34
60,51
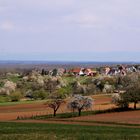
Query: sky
x,y
70,30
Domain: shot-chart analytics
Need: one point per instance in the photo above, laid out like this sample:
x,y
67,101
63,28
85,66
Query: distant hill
x,y
57,64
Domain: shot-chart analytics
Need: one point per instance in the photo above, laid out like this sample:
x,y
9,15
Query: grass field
x,y
89,126
4,100
30,131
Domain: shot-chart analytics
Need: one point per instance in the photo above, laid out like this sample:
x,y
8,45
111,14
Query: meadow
x,y
31,119
34,131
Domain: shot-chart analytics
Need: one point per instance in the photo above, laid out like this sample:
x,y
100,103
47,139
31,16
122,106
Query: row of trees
x,y
77,102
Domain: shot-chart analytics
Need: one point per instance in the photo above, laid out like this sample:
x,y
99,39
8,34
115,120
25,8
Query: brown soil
x,y
12,112
131,117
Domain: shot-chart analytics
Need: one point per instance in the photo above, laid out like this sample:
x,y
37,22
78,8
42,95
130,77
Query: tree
x,y
55,101
120,100
65,91
87,81
99,83
128,80
78,88
133,93
54,104
54,72
10,87
43,72
80,103
130,84
51,83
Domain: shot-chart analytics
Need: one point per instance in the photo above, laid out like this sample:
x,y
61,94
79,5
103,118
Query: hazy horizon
x,y
65,62
70,30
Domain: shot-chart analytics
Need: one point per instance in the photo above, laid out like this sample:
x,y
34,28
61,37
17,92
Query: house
x,y
75,71
121,70
83,72
90,72
131,69
113,71
107,70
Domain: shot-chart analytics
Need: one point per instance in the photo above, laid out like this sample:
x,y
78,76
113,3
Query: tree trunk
x,y
54,113
135,105
79,112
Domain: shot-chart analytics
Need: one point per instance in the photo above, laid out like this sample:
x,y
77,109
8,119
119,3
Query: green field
x,y
30,131
4,101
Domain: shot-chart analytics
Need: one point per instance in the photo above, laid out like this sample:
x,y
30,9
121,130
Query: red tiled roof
x,y
76,70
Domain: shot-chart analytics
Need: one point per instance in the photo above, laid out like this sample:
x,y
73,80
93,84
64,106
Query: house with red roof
x,y
83,72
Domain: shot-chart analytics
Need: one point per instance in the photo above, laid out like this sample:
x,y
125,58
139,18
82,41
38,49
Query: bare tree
x,y
80,103
54,104
55,101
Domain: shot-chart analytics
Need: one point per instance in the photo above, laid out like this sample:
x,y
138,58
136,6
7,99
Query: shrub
x,y
65,91
1,84
15,96
40,94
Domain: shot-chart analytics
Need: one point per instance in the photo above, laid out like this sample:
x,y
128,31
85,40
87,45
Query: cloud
x,y
67,25
21,27
32,29
82,19
40,4
7,26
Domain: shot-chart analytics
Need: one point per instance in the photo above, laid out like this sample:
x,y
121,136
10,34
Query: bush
x,y
15,96
65,91
40,94
1,84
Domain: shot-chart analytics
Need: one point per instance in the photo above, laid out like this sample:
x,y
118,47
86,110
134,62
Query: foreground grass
x,y
30,131
98,122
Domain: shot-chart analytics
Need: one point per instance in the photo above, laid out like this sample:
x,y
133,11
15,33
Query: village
x,y
107,70
31,82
